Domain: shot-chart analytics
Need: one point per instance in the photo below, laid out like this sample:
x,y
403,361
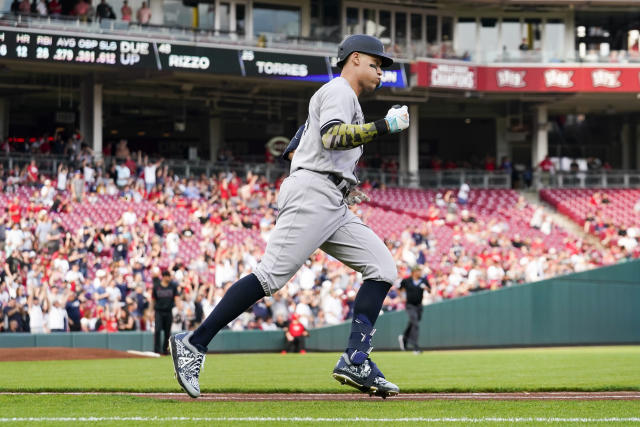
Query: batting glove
x,y
356,196
397,118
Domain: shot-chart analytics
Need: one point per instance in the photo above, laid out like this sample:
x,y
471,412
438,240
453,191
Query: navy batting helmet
x,y
365,44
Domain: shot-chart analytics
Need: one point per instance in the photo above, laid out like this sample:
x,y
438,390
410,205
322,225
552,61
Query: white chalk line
x,y
330,420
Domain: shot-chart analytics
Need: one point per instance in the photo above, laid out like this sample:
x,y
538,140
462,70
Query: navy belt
x,y
341,183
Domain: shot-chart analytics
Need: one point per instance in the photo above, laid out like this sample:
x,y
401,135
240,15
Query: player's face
x,y
371,72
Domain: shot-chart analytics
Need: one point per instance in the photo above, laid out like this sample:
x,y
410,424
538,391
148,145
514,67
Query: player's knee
x,y
271,283
385,272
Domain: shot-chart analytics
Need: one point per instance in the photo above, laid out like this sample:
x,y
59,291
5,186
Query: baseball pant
x,y
312,215
163,324
412,332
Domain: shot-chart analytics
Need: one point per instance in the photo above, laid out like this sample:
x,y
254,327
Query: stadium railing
x,y
426,178
590,179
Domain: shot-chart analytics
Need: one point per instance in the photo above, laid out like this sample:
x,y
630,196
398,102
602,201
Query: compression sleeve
x,y
342,136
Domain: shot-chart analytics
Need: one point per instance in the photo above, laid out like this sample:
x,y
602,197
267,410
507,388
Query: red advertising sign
x,y
574,78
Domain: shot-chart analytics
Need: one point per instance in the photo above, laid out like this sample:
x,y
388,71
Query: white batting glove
x,y
397,118
355,197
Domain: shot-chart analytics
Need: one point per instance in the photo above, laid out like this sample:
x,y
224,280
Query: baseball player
x,y
313,213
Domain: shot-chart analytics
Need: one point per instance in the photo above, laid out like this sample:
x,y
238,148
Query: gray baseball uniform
x,y
312,211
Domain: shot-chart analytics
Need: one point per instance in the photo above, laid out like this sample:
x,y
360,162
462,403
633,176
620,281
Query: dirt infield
x,y
59,353
258,397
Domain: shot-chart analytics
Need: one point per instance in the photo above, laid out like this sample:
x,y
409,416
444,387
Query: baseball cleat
x,y
365,377
187,363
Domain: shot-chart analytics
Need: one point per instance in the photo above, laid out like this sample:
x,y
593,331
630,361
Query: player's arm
x,y
293,144
337,135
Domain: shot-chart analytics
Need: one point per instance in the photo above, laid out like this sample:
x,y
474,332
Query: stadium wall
x,y
595,307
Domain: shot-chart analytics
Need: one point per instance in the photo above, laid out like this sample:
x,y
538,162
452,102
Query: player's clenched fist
x,y
397,118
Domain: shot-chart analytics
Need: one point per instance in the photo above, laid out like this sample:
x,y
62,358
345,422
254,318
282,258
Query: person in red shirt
x,y
32,173
15,212
294,335
546,165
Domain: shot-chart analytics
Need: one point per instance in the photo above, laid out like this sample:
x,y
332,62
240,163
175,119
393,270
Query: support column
x,y
215,137
540,143
413,151
403,164
637,142
625,142
502,145
4,118
570,36
157,12
91,114
97,120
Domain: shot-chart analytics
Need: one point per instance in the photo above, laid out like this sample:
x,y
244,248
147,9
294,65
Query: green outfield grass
x,y
75,409
542,369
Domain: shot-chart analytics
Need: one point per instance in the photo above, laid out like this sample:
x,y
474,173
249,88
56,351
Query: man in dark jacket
x,y
413,287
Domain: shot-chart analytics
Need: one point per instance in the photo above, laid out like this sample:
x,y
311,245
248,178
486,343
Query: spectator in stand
x,y
126,11
55,8
105,11
150,173
144,14
81,10
77,187
25,7
123,173
32,173
41,8
122,150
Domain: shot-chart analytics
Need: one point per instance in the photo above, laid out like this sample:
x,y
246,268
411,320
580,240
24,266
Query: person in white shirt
x,y
57,317
37,318
463,193
150,173
123,173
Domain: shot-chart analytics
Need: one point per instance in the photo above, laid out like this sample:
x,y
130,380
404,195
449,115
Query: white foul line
x,y
330,420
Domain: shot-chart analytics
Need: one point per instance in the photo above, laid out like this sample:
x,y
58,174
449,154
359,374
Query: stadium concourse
x,y
82,249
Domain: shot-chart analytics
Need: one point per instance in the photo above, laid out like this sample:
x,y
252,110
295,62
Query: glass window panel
x,y
206,16
352,20
276,19
240,19
432,29
554,40
401,28
511,37
416,27
489,38
370,26
176,14
224,11
465,36
447,28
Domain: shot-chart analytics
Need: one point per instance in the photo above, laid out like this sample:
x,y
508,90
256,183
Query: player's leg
x,y
167,318
305,221
360,248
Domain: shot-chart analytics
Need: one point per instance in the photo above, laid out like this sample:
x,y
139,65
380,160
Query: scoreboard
x,y
88,49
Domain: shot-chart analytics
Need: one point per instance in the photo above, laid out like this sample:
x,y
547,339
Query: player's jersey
x,y
334,102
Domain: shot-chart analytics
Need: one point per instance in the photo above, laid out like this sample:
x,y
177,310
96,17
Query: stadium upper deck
x,y
485,79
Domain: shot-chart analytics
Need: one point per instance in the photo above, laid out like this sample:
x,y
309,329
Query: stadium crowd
x,y
82,250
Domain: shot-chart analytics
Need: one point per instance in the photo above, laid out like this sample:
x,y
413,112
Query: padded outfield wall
x,y
595,307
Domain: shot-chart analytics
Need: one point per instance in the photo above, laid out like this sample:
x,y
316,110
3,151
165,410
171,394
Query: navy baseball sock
x,y
239,297
365,313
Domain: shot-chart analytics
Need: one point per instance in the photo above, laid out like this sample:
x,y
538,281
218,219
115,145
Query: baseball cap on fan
x,y
365,44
